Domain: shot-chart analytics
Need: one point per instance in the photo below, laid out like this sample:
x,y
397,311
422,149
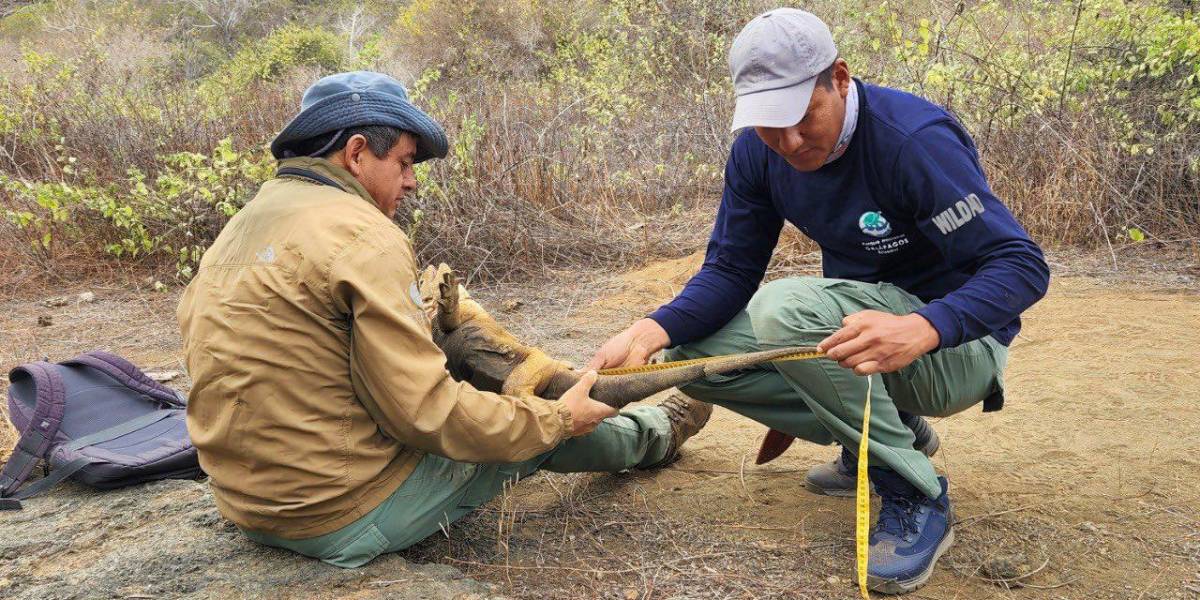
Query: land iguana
x,y
480,351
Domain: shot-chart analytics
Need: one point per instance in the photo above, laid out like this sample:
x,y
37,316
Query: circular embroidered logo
x,y
874,224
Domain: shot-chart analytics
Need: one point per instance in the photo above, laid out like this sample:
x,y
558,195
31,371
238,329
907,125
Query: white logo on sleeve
x,y
956,216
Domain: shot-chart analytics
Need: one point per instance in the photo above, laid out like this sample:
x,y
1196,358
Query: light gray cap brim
x,y
780,107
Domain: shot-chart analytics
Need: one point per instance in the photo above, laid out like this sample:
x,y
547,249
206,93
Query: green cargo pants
x,y
818,400
441,491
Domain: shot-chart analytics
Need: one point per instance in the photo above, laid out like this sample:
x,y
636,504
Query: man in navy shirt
x,y
926,274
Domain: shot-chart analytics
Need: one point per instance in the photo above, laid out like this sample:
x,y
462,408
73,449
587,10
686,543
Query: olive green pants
x,y
818,400
441,491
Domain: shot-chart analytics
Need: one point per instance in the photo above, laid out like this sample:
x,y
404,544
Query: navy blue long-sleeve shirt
x,y
907,203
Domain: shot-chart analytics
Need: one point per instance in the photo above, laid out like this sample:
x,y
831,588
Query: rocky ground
x,y
1085,486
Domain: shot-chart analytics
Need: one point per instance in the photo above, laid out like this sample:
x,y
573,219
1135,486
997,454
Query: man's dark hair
x,y
825,78
380,140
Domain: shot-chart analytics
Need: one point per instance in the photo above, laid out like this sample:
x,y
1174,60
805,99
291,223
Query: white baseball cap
x,y
775,61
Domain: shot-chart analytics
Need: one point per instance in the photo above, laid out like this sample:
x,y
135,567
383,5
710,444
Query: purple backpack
x,y
97,419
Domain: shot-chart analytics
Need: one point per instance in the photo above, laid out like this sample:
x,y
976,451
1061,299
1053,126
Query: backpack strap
x,y
12,501
125,372
56,476
37,438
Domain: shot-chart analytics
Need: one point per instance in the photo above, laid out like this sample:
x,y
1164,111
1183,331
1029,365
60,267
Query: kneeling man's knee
x,y
791,305
682,352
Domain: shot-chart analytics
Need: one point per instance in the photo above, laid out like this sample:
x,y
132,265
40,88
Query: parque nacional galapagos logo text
x,y
874,224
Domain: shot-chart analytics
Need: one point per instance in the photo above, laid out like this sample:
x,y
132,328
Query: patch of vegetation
x,y
582,131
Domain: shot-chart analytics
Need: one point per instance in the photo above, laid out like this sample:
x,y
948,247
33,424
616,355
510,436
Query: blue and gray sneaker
x,y
911,534
837,478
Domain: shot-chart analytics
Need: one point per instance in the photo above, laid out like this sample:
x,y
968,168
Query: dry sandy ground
x,y
1087,485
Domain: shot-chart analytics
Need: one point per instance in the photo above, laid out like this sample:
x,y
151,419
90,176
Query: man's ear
x,y
841,77
352,154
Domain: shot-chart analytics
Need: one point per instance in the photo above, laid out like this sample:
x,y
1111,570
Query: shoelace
x,y
897,515
676,410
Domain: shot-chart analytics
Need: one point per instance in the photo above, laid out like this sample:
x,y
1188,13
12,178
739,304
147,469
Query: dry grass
x,y
604,536
8,434
585,137
601,537
688,531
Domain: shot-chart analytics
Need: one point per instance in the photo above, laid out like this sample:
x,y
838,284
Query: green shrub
x,y
267,60
582,131
174,215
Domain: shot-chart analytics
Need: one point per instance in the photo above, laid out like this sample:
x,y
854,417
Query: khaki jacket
x,y
316,384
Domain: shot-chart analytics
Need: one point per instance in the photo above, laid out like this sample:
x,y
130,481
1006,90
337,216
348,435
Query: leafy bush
x,y
286,48
583,131
172,216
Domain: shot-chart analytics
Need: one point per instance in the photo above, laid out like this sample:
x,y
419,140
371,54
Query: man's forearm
x,y
998,293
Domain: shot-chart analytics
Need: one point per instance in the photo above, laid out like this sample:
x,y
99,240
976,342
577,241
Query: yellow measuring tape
x,y
862,507
698,361
862,498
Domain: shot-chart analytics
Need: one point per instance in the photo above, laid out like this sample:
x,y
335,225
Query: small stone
x,y
1007,566
45,320
87,298
511,305
631,594
163,376
833,580
1089,527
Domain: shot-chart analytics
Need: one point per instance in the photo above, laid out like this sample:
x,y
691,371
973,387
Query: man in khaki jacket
x,y
321,406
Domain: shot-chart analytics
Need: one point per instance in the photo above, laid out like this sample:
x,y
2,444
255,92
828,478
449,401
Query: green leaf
x,y
1136,234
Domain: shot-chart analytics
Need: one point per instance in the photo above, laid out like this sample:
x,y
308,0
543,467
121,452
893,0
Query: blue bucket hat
x,y
356,99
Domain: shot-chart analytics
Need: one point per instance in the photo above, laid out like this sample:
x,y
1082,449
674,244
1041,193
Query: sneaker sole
x,y
931,448
893,586
841,492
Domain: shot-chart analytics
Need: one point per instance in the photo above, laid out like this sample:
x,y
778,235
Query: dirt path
x,y
1087,479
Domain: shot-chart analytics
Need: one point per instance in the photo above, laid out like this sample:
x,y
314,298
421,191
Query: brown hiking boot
x,y
688,416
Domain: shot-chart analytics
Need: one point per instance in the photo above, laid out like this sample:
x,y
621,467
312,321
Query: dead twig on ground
x,y
727,472
742,478
595,571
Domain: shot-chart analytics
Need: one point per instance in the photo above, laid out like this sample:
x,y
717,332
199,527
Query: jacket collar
x,y
331,171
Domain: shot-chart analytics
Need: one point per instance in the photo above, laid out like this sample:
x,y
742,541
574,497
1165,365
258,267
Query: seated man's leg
x,y
761,393
440,491
642,437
